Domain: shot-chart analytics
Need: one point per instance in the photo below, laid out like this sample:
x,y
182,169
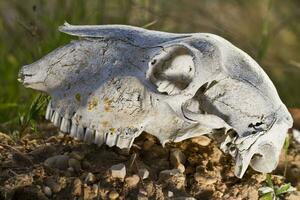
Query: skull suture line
x,y
118,81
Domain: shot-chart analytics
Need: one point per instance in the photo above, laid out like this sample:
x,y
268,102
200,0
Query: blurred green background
x,y
267,30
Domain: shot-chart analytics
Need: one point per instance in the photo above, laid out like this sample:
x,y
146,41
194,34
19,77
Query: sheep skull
x,y
118,81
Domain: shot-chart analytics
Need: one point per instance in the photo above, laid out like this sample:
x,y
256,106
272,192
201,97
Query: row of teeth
x,y
87,134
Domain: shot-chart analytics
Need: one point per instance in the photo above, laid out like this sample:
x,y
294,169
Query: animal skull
x,y
118,81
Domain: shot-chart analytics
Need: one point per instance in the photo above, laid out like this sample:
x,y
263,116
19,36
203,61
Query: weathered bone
x,y
118,81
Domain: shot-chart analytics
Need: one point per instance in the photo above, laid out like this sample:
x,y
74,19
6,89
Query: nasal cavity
x,y
172,70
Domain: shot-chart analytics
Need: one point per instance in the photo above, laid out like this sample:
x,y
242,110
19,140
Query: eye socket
x,y
172,70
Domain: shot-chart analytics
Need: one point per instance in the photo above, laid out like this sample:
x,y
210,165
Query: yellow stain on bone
x,y
78,97
93,103
107,104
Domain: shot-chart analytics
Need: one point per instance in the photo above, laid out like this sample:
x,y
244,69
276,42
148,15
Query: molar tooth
x,y
80,132
89,136
65,125
73,132
99,138
56,119
48,111
111,139
124,142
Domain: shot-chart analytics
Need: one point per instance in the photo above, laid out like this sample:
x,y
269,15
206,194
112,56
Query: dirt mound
x,y
54,166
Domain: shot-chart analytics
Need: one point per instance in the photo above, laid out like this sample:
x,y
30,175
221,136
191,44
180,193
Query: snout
x,y
31,77
23,76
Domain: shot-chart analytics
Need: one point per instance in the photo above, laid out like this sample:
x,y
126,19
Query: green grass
x,y
267,30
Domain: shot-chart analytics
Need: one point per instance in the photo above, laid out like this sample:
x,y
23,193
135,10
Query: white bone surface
x,y
118,81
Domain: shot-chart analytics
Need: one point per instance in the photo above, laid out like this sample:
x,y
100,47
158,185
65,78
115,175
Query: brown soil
x,y
84,170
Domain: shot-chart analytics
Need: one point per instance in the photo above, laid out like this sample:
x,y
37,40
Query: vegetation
x,y
267,30
274,192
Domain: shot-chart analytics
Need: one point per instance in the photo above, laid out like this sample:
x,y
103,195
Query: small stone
x,y
173,178
95,188
47,191
170,194
76,190
53,185
118,171
204,180
90,178
132,181
293,196
6,139
59,162
75,164
180,167
113,195
86,165
201,140
143,173
177,157
142,195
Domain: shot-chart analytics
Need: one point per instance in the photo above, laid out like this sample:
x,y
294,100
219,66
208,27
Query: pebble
x,y
173,178
47,191
76,190
201,140
113,195
58,161
75,164
180,167
118,171
5,139
170,194
90,178
293,195
204,180
132,181
143,173
53,185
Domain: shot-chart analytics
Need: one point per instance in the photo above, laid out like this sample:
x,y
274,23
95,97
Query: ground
x,y
48,165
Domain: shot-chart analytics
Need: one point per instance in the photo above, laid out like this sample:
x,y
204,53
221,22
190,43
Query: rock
x,y
180,167
149,187
177,157
76,190
60,162
75,164
90,178
296,135
201,140
170,194
118,171
86,165
204,179
113,195
5,139
172,178
47,191
293,195
132,181
53,185
143,173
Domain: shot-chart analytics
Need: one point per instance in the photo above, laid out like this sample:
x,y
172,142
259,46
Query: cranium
x,y
118,81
